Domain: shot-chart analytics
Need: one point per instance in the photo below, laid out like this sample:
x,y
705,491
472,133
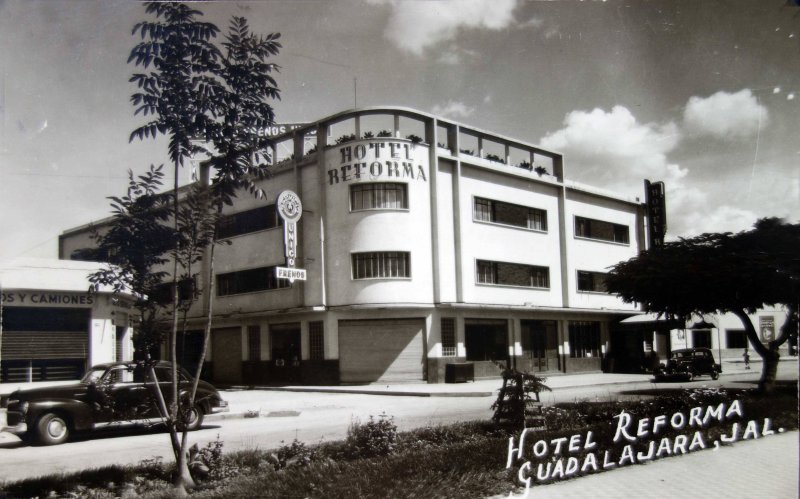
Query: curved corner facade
x,y
428,245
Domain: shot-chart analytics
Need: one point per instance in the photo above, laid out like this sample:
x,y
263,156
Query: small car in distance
x,y
107,395
688,363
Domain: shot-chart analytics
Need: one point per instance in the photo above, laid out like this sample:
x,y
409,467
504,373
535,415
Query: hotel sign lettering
x,y
290,273
655,196
385,160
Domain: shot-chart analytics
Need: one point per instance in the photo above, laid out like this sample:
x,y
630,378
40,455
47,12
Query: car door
x,y
117,396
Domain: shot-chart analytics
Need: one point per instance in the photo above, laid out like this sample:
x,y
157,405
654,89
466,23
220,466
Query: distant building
x,y
425,243
52,328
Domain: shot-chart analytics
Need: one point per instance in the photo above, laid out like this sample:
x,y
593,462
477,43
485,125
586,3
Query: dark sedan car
x,y
108,394
688,363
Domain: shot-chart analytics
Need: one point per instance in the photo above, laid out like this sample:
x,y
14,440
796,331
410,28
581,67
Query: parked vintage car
x,y
687,364
108,394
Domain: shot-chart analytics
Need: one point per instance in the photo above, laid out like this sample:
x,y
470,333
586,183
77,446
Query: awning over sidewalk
x,y
661,321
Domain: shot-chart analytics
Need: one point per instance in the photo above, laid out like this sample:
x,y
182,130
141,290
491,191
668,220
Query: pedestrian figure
x,y
746,356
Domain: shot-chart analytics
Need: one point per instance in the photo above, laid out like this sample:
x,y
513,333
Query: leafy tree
x,y
136,243
239,149
721,273
177,93
210,103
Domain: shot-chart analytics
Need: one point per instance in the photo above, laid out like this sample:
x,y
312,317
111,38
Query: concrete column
x,y
461,348
305,347
433,162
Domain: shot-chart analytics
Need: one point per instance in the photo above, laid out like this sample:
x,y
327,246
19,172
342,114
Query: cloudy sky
x,y
702,95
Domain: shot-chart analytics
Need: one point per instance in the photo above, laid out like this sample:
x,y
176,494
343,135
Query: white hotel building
x,y
426,242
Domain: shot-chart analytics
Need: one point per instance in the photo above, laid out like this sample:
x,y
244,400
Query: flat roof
x,y
48,274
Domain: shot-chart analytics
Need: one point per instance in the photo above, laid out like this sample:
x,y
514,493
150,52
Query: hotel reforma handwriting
x,y
425,243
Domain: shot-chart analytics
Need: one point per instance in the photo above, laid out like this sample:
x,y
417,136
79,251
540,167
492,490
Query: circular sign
x,y
289,206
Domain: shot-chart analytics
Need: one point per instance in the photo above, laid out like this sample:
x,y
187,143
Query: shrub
x,y
376,437
495,157
416,139
346,138
541,170
384,133
515,397
294,454
369,135
208,463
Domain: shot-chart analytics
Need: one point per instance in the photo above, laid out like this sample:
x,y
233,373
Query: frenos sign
x,y
372,160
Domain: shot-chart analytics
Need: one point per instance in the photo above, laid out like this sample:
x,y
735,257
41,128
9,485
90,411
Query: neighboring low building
x,y
52,328
427,244
650,338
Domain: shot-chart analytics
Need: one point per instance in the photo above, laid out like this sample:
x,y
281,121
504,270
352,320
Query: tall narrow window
x,y
316,340
448,337
254,343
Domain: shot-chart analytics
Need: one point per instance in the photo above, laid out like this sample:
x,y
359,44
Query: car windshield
x,y
93,374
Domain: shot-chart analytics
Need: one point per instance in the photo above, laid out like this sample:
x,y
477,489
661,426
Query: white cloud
x,y
414,24
723,218
608,149
725,115
453,109
612,150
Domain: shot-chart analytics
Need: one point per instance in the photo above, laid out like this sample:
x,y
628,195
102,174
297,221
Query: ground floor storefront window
x,y
584,346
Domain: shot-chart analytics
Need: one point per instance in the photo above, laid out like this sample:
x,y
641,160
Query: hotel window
x,y
512,274
254,343
381,265
248,281
448,337
487,210
735,338
591,281
315,341
163,295
378,196
584,339
245,222
602,231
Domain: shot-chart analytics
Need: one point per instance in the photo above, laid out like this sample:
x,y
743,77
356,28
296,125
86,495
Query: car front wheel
x,y
52,429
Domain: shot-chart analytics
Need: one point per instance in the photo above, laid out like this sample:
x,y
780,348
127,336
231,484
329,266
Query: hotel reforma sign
x,y
377,160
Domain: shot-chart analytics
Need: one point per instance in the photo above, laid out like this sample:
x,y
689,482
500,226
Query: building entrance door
x,y
540,344
284,340
226,351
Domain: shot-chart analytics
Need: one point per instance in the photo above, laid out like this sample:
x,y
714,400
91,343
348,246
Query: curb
x,y
395,393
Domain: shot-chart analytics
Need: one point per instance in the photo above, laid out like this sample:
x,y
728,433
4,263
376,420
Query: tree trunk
x,y
769,372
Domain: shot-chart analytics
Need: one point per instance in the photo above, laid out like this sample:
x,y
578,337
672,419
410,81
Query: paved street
x,y
314,416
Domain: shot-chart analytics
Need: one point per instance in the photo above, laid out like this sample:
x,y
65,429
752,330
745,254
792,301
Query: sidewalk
x,y
766,467
242,399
